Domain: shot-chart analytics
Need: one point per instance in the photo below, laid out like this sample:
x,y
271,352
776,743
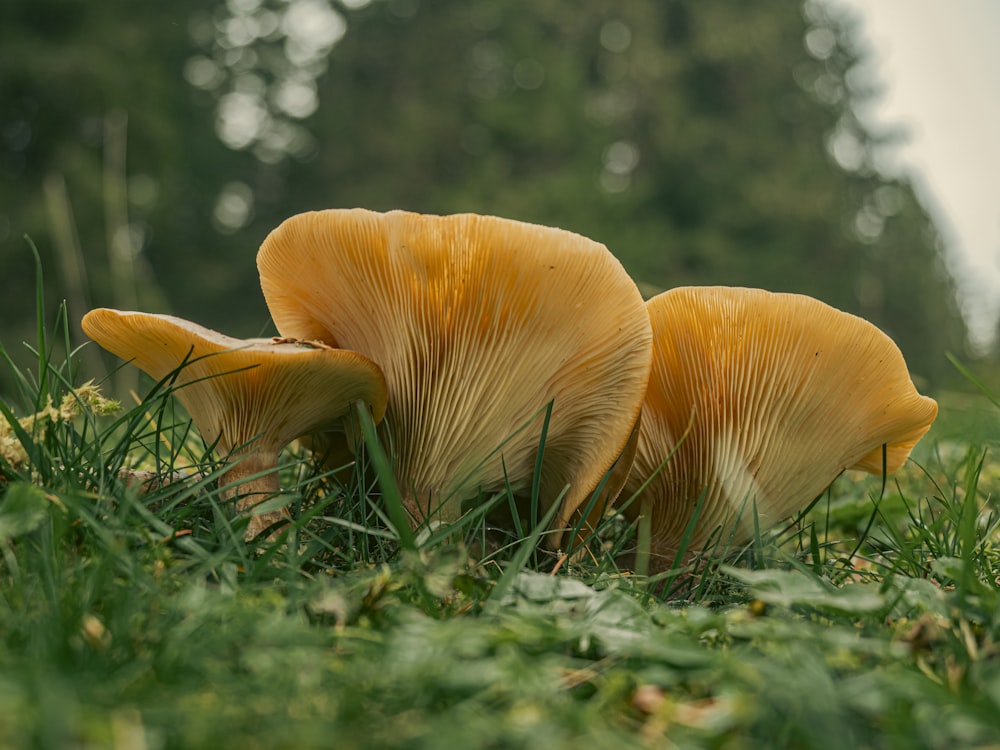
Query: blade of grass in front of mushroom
x,y
311,504
373,547
814,551
544,413
584,512
677,568
576,530
361,528
604,499
257,494
466,523
370,536
391,496
796,524
154,410
644,541
480,511
529,544
875,508
697,565
511,501
529,547
508,491
536,476
757,544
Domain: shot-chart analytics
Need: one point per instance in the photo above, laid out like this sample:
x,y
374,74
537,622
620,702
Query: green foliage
x,y
111,629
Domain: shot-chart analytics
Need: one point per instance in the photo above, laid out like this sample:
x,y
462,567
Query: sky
x,y
939,64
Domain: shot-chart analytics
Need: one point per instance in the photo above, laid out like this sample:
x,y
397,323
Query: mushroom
x,y
757,401
480,325
249,398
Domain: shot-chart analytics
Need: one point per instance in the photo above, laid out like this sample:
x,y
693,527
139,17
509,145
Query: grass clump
x,y
133,613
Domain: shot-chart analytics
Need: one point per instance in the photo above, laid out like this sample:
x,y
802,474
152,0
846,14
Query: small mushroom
x,y
480,324
757,401
249,398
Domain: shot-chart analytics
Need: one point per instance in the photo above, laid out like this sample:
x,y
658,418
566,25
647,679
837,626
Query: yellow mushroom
x,y
479,324
763,399
249,398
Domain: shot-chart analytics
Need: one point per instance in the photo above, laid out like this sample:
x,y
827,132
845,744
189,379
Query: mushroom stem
x,y
252,479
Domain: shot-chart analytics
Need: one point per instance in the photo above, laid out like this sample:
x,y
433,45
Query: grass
x,y
137,617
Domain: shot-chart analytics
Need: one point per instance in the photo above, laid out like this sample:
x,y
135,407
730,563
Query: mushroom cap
x,y
766,398
236,390
479,323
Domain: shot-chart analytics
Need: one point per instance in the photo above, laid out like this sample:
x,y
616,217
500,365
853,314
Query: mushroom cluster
x,y
487,345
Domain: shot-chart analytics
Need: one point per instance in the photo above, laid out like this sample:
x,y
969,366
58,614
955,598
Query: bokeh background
x,y
147,148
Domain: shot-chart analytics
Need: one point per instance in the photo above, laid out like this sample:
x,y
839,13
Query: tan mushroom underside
x,y
478,323
766,399
238,390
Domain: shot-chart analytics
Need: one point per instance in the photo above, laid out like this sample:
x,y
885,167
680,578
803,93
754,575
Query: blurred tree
x,y
109,163
704,142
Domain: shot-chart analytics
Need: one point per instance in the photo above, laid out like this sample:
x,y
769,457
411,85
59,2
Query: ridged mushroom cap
x,y
766,398
478,323
237,390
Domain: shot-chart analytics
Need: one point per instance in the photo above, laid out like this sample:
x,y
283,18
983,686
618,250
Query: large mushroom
x,y
249,398
480,325
757,401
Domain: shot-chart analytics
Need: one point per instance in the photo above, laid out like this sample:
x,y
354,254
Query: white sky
x,y
939,63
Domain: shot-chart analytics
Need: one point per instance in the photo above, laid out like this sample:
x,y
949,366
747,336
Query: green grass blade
x,y
39,322
536,477
968,520
512,501
875,511
391,497
520,559
814,551
971,377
